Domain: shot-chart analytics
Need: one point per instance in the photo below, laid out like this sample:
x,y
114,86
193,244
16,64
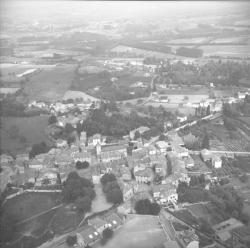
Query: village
x,y
144,169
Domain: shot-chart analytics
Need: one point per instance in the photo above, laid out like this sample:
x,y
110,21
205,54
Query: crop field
x,y
221,138
207,211
57,80
138,232
30,128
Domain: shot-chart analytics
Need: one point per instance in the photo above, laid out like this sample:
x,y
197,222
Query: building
x,y
216,161
206,155
162,146
143,176
87,235
99,224
141,130
112,152
165,193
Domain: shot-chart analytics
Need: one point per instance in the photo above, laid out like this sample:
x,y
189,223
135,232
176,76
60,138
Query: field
x,y
138,232
50,85
145,53
32,128
172,107
206,211
29,204
230,51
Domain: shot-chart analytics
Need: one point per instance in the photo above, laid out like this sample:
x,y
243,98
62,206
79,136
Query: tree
x,y
71,240
38,149
243,178
137,135
83,204
205,142
69,128
108,177
115,195
208,112
76,186
82,165
106,235
144,206
52,119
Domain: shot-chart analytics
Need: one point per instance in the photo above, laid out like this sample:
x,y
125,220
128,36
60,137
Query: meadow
x,y
58,81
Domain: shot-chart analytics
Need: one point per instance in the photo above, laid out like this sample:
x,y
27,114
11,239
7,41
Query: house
x,y
165,193
126,174
152,150
63,159
5,159
97,138
129,189
60,143
112,152
242,95
143,176
189,162
181,152
112,219
88,235
223,230
182,119
161,168
216,161
175,138
141,130
98,223
82,156
162,146
35,164
206,155
22,158
5,177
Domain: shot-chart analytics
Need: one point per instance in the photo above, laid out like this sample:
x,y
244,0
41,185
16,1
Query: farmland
x,y
138,232
57,80
13,129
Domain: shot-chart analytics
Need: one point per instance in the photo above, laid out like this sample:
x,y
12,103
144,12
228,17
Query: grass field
x,y
138,232
50,85
29,204
32,128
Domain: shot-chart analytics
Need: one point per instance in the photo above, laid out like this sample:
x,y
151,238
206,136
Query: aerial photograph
x,y
124,124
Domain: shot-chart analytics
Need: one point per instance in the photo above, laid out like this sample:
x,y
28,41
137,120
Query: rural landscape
x,y
124,124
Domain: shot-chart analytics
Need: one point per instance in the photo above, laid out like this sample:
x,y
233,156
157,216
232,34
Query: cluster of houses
x,y
92,232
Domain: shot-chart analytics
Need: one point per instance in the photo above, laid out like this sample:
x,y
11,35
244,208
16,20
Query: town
x,y
131,145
